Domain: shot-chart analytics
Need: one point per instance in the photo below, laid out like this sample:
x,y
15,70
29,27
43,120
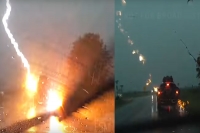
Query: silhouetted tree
x,y
90,58
90,67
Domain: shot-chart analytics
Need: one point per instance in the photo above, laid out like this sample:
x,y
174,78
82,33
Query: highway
x,y
97,116
145,108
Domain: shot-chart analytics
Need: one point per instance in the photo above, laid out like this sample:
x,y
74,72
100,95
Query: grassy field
x,y
193,96
128,97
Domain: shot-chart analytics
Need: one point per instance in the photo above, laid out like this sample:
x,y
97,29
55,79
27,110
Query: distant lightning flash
x,y
12,39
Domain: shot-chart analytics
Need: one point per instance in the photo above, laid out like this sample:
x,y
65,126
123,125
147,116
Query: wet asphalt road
x,y
145,108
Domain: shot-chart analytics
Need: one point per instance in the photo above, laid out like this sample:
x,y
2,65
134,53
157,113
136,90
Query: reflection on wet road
x,y
145,108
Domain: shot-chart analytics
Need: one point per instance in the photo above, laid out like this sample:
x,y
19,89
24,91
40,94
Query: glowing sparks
x,y
12,39
129,40
31,113
86,91
123,2
135,52
119,13
149,80
182,104
141,58
124,32
54,100
55,125
31,83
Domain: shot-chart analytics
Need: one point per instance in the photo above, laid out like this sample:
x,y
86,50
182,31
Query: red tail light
x,y
159,92
167,84
176,92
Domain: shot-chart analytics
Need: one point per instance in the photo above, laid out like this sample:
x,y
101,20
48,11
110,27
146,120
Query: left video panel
x,y
58,60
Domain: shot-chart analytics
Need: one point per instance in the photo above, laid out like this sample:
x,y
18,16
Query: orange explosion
x,y
54,100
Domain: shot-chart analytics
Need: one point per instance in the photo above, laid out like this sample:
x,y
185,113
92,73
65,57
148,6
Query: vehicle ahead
x,y
168,94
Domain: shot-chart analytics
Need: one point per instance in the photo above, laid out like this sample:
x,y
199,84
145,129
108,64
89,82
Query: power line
x,y
188,50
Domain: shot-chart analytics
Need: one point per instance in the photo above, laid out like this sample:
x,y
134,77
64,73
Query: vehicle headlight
x,y
155,89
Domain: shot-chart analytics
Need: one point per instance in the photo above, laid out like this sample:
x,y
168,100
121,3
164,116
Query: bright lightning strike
x,y
30,79
12,39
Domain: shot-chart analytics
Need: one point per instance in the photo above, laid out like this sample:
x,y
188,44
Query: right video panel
x,y
157,66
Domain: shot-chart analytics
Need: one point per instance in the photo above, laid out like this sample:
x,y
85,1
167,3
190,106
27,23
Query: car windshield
x,y
156,39
86,66
56,63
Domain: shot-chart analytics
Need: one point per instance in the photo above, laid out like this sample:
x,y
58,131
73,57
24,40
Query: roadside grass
x,y
193,96
128,97
121,102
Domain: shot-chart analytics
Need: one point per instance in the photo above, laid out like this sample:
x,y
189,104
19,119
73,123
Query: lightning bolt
x,y
12,39
30,82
